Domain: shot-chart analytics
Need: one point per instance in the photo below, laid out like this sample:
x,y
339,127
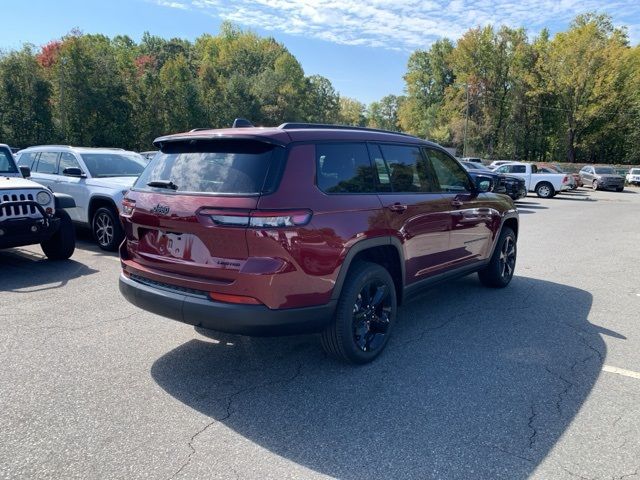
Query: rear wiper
x,y
163,184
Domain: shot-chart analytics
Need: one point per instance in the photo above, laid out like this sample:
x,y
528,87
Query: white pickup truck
x,y
546,185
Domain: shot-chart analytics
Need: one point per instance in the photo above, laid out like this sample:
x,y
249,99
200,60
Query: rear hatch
x,y
187,214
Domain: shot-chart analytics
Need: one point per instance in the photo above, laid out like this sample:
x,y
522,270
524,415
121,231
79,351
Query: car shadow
x,y
475,383
528,207
85,240
577,191
27,272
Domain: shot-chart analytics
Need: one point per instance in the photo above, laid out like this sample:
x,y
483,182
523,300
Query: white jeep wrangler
x,y
30,213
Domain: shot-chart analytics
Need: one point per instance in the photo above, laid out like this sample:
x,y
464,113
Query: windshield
x,y
635,171
7,165
605,171
113,164
225,167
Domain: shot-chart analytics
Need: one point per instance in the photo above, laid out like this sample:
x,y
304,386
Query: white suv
x,y
97,179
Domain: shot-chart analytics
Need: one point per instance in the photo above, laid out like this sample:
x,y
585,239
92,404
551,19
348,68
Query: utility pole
x,y
466,121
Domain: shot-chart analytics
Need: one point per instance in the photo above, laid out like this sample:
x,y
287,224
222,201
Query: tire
x,y
360,331
619,189
106,229
545,190
63,243
500,270
595,185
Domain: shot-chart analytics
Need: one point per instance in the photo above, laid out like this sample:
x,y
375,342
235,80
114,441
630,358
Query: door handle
x,y
397,207
457,203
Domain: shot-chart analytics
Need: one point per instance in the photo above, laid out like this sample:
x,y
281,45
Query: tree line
x,y
494,93
571,97
93,90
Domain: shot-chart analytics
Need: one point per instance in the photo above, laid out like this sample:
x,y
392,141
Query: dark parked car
x,y
307,228
605,178
515,187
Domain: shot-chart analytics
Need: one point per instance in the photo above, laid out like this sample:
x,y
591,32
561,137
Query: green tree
x,y
384,114
25,94
583,73
429,74
322,101
90,95
179,96
352,112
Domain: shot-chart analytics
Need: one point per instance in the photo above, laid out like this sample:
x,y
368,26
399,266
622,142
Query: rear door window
x,y
233,167
47,162
344,168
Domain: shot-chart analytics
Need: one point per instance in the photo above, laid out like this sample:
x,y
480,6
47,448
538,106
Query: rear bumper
x,y
198,310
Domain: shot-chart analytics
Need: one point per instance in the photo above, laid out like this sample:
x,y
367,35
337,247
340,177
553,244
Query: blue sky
x,y
362,46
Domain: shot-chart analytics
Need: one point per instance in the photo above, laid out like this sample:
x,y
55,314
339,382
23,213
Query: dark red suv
x,y
307,228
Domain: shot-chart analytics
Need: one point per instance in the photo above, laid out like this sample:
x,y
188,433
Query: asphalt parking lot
x,y
539,380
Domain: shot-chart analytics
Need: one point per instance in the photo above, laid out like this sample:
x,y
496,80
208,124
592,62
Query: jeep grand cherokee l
x,y
306,228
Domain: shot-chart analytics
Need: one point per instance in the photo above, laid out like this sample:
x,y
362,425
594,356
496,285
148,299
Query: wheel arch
x,y
512,223
543,182
385,251
99,201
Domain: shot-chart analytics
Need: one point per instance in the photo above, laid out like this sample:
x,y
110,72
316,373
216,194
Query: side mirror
x,y
25,171
73,172
484,183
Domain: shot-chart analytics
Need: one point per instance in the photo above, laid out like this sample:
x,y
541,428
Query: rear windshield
x,y
113,164
6,162
237,167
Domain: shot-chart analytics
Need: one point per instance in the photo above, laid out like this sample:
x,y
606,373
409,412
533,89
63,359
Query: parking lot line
x,y
621,371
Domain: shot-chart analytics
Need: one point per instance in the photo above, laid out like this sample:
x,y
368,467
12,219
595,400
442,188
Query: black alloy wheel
x,y
365,315
499,272
371,316
507,258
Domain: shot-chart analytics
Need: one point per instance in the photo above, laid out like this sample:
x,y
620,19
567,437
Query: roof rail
x,y
199,129
298,126
56,146
71,146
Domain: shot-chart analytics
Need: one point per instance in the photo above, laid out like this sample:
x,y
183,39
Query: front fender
x,y
62,200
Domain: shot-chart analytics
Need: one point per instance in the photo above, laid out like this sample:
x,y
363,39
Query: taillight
x,y
565,179
258,218
127,206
